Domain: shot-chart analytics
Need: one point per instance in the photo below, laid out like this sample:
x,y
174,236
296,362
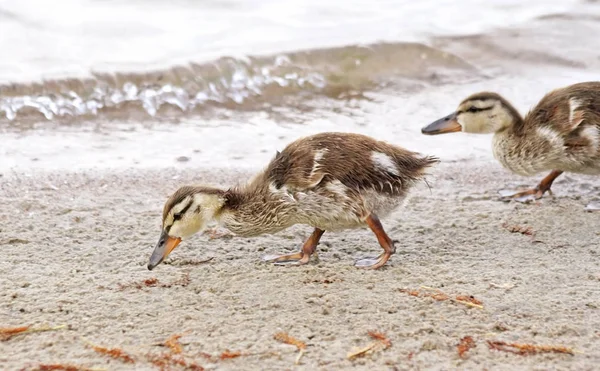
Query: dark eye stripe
x,y
179,215
477,109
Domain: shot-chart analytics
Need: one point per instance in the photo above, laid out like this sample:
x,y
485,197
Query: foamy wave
x,y
227,82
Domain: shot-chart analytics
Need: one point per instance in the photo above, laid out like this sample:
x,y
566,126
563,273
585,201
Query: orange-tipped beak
x,y
444,125
163,248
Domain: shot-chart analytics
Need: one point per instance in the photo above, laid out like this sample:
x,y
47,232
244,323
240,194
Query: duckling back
x,y
331,181
338,179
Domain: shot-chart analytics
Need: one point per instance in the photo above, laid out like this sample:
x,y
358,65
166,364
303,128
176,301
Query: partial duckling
x,y
560,134
330,181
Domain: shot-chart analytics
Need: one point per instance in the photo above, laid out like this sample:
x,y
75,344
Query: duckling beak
x,y
444,125
163,248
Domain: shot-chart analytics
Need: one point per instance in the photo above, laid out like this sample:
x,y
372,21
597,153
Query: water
x,y
139,83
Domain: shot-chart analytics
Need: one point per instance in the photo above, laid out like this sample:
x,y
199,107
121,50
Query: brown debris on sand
x,y
6,333
174,357
514,228
287,339
154,282
438,295
60,367
381,343
229,355
173,344
466,343
528,349
115,353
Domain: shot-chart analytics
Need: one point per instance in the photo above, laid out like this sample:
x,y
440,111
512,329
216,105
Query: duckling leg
x,y
300,257
534,193
386,243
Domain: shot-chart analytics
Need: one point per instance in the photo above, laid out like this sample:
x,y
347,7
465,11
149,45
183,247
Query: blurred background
x,y
225,83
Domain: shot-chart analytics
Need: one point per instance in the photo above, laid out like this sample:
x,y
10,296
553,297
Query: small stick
x,y
115,353
361,352
527,349
381,342
7,333
467,303
300,354
287,339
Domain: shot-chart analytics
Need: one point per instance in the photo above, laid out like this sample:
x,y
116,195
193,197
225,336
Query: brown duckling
x,y
329,181
560,134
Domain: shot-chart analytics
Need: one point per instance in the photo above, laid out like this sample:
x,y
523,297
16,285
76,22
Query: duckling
x,y
560,134
329,181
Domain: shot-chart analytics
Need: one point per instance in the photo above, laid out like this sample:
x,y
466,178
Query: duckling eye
x,y
177,216
473,109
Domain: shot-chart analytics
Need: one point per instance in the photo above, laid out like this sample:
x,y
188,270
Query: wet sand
x,y
70,240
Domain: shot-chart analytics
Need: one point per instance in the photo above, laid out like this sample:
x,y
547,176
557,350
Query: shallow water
x,y
103,86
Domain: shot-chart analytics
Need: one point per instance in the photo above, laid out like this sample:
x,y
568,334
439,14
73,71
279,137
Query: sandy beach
x,y
75,245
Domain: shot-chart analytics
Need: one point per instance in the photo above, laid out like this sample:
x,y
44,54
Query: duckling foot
x,y
373,263
298,258
301,257
531,194
384,240
593,206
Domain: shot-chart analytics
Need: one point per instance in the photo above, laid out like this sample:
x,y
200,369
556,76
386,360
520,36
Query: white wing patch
x,y
316,162
337,188
591,133
575,117
550,135
384,162
313,178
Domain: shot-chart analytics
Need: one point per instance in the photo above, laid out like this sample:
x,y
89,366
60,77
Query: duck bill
x,y
163,248
444,125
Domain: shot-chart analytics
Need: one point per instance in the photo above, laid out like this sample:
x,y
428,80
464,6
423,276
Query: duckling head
x,y
481,113
186,212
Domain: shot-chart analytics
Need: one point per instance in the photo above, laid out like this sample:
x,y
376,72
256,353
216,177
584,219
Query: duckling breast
x,y
531,153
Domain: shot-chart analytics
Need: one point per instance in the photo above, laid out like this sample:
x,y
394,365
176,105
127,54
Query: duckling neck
x,y
251,211
508,118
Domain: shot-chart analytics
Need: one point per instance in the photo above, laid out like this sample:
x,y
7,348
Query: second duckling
x,y
560,134
330,181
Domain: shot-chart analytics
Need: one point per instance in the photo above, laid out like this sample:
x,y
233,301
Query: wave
x,y
234,83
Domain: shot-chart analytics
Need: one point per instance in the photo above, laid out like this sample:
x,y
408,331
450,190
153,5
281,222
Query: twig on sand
x,y
115,353
8,332
173,343
229,355
63,367
362,351
466,343
469,301
528,349
164,361
381,343
287,339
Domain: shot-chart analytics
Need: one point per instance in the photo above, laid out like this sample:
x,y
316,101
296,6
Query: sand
x,y
70,241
